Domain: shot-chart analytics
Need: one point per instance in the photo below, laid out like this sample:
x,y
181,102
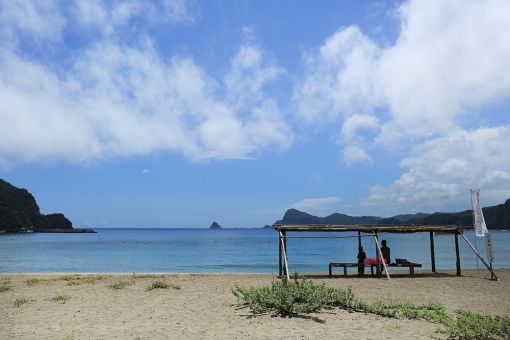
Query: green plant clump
x,y
300,295
469,325
20,301
286,296
5,287
61,297
120,285
162,285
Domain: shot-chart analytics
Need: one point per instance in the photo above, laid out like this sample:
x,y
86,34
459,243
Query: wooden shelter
x,y
374,230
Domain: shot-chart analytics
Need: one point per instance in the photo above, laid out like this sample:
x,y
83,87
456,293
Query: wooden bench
x,y
409,265
345,265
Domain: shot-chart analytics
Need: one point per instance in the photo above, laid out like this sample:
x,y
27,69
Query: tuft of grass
x,y
69,277
20,301
5,287
162,285
34,281
120,284
147,276
69,337
158,284
60,297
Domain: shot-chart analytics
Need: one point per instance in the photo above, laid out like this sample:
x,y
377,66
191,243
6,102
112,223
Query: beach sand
x,y
205,308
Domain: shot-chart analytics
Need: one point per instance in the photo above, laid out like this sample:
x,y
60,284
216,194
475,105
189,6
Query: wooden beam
x,y
382,259
280,268
284,255
481,258
432,252
457,253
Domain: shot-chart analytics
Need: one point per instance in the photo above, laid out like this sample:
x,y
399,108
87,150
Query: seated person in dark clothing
x,y
385,250
361,259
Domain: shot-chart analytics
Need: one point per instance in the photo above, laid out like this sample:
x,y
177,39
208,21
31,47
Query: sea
x,y
226,251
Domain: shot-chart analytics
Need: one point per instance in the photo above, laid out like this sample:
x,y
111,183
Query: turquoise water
x,y
222,251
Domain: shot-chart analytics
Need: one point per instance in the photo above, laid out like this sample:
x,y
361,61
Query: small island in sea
x,y
20,213
215,225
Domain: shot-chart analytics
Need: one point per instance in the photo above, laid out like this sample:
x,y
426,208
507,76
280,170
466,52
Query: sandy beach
x,y
205,308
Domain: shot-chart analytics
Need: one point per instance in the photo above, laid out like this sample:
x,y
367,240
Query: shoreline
x,y
205,308
337,273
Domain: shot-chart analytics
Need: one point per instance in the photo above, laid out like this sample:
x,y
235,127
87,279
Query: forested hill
x,y
496,217
19,210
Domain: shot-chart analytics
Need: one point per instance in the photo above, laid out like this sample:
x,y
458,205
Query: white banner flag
x,y
479,221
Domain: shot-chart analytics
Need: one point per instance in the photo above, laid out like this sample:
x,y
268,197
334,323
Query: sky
x,y
175,113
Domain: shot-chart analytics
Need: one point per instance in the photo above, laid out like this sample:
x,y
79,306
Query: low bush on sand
x,y
299,295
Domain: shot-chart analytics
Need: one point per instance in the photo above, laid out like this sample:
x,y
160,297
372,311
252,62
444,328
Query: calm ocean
x,y
221,251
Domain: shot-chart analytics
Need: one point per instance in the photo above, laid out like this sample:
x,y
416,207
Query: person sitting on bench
x,y
361,259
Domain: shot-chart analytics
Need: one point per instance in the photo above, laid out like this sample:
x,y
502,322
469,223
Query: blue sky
x,y
180,113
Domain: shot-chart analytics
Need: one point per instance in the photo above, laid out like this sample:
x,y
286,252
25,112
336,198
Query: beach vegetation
x,y
162,285
469,325
120,284
33,281
68,277
299,295
69,336
60,297
5,287
147,276
20,301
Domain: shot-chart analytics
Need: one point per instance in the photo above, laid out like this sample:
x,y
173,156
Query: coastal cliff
x,y
19,211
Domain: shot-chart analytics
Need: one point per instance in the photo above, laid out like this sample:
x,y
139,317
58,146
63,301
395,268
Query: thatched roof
x,y
366,228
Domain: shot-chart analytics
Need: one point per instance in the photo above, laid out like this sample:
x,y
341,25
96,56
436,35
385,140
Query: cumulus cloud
x,y
310,204
115,99
444,169
423,95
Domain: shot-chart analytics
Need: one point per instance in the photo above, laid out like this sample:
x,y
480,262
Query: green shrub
x,y
20,301
60,297
303,296
34,281
120,284
5,287
163,285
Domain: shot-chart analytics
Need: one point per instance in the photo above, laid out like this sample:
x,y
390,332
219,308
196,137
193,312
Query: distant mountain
x,y
407,217
496,217
293,216
19,210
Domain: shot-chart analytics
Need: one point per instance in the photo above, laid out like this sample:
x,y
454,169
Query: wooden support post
x,y
457,253
481,258
283,242
382,258
359,239
378,271
432,252
280,268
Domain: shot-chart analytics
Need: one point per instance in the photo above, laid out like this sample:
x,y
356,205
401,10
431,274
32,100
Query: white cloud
x,y
309,204
448,64
116,100
110,16
449,58
353,154
356,122
444,169
35,19
145,171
